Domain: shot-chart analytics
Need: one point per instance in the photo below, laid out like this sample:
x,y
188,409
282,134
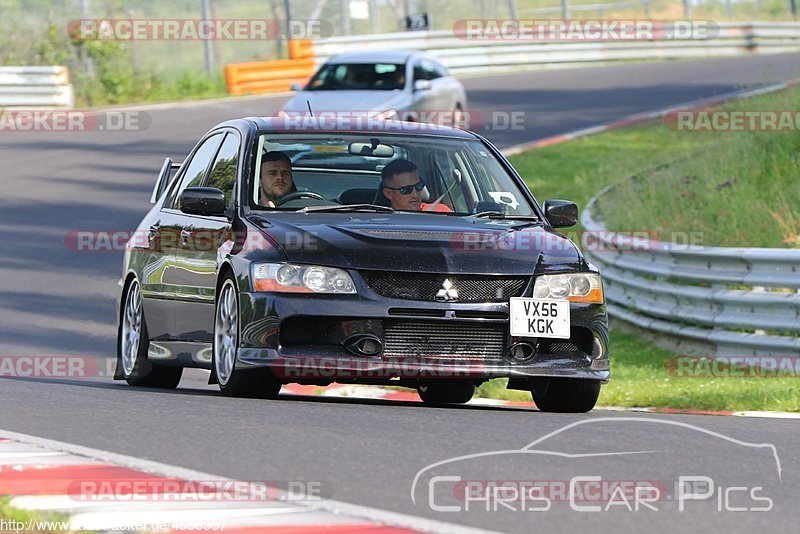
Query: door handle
x,y
153,231
186,235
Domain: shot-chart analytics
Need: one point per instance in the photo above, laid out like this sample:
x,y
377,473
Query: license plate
x,y
539,317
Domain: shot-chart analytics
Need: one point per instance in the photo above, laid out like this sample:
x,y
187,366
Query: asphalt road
x,y
56,301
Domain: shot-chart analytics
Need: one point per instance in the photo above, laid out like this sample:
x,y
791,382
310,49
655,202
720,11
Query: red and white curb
x,y
44,476
649,116
377,392
383,393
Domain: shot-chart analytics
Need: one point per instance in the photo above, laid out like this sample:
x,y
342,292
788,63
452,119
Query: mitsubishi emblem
x,y
448,293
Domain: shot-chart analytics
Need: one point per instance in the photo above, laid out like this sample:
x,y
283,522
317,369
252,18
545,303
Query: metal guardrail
x,y
463,56
741,301
35,87
599,8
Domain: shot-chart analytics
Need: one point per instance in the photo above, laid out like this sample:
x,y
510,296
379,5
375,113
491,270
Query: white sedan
x,y
393,84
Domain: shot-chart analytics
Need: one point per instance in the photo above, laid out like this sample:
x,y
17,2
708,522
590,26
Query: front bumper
x,y
303,338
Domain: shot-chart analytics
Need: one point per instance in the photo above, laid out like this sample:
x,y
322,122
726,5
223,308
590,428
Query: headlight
x,y
288,278
388,115
574,287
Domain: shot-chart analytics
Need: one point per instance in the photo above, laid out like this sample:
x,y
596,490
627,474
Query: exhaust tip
x,y
522,352
363,345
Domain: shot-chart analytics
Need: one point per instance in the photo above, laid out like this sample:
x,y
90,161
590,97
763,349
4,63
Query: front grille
x,y
424,286
452,342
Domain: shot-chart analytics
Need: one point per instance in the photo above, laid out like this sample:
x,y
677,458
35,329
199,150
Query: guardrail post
x,y
512,9
344,14
207,52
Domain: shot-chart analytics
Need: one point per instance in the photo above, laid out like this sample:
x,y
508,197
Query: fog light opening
x,y
363,345
597,349
522,352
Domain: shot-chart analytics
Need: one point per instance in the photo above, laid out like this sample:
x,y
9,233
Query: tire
x,y
133,344
446,391
258,383
565,395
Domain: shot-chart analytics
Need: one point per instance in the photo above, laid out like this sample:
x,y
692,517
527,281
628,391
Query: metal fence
x,y
464,56
737,301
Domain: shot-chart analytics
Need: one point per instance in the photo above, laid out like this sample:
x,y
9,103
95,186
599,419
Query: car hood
x,y
410,242
347,101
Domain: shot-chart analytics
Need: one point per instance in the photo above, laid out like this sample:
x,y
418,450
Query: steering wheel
x,y
298,195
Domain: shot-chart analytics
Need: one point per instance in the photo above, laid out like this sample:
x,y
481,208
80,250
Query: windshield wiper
x,y
346,208
501,215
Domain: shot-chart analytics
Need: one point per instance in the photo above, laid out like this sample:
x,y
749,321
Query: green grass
x,y
577,170
496,389
733,189
40,523
641,376
730,189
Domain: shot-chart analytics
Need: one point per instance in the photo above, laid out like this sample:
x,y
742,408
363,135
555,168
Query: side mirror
x,y
296,86
561,213
205,201
422,85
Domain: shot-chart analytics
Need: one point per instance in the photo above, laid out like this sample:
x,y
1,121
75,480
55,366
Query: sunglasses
x,y
406,189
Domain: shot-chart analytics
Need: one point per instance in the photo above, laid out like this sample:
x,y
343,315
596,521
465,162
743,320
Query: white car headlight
x,y
289,278
574,287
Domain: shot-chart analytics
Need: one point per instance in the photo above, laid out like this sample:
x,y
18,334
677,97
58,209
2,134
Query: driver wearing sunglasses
x,y
403,187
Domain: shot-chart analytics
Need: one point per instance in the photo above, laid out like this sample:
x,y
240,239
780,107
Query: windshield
x,y
406,173
358,76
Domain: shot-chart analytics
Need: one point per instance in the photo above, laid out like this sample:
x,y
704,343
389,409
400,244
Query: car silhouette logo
x,y
448,293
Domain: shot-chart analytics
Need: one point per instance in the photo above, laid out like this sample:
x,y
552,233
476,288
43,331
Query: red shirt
x,y
439,207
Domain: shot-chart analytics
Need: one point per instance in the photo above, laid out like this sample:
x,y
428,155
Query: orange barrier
x,y
301,48
272,76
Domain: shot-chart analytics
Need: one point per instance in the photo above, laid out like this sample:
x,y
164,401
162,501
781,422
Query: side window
x,y
419,72
431,72
196,170
438,70
223,171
